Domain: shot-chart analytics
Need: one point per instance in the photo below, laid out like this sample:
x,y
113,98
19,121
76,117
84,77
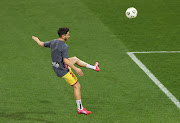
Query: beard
x,y
65,39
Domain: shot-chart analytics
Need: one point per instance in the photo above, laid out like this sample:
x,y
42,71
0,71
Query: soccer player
x,y
62,64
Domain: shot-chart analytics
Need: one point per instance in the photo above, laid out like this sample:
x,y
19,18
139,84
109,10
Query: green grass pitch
x,y
121,92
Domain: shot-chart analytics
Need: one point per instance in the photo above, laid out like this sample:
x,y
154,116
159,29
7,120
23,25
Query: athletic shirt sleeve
x,y
47,44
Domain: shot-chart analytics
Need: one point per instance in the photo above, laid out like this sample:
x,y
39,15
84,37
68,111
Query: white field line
x,y
156,52
152,77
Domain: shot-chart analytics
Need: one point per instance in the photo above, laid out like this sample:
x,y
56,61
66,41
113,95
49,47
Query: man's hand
x,y
40,43
35,38
79,72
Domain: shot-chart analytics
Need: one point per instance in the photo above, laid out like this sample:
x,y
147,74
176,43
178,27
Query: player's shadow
x,y
23,116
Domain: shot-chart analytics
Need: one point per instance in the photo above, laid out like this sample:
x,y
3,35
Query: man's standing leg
x,y
77,95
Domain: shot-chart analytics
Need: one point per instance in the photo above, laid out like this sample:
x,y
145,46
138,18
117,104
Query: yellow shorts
x,y
70,78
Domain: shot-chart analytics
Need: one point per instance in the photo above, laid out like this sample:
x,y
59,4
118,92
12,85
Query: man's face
x,y
66,37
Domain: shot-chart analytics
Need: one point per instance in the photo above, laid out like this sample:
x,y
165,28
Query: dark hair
x,y
62,31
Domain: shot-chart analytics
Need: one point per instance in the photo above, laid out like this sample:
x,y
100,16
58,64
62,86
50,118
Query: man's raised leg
x,y
81,63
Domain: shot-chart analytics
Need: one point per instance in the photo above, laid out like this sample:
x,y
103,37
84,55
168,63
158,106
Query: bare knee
x,y
77,86
75,58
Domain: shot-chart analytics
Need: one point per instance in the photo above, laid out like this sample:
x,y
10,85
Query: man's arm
x,y
40,43
78,70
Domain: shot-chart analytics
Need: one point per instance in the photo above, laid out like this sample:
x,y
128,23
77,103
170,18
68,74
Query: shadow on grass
x,y
23,116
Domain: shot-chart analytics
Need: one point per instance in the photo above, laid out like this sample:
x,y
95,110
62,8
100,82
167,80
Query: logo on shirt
x,y
56,65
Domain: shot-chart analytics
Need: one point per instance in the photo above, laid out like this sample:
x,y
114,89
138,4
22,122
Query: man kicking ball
x,y
62,64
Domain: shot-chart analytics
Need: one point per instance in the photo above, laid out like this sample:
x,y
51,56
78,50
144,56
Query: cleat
x,y
83,111
97,67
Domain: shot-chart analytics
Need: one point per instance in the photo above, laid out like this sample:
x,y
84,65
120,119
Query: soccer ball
x,y
131,13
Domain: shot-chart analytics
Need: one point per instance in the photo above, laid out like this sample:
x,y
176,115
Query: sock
x,y
79,104
91,67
